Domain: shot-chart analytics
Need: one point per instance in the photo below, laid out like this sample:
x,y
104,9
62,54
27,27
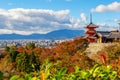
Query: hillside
x,y
58,34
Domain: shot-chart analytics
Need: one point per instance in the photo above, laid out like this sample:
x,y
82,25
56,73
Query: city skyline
x,y
43,16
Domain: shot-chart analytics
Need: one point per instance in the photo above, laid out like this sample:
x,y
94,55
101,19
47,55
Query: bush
x,y
98,72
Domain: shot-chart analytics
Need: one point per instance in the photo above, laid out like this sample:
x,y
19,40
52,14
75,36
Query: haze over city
x,y
42,16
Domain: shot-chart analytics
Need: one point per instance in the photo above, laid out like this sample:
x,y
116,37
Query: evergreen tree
x,y
12,56
6,48
30,45
22,63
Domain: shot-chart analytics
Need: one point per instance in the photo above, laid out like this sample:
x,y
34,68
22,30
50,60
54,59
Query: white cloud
x,y
28,21
83,17
115,6
117,21
78,23
106,27
7,31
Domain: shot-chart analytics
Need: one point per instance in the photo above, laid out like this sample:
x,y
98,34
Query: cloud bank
x,y
106,27
115,6
28,21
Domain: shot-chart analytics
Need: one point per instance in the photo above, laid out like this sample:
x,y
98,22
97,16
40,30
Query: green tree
x,y
12,56
13,48
26,63
6,48
1,75
30,45
33,63
22,63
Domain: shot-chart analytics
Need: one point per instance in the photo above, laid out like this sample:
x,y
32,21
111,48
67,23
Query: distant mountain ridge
x,y
57,34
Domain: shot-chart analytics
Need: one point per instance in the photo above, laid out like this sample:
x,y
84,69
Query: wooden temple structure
x,y
94,36
91,32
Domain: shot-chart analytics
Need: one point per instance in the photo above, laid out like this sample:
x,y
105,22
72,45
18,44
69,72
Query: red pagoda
x,y
90,32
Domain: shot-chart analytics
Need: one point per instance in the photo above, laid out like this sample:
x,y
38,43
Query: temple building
x,y
108,36
94,36
91,32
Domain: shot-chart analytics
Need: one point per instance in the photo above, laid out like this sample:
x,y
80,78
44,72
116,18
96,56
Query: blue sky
x,y
42,16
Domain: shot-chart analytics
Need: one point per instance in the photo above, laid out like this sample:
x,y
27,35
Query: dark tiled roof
x,y
104,33
114,35
91,25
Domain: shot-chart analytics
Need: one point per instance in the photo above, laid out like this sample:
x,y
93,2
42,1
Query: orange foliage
x,y
103,57
118,63
70,70
28,51
68,53
20,49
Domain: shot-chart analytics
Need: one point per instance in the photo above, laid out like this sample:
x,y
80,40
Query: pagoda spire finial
x,y
90,17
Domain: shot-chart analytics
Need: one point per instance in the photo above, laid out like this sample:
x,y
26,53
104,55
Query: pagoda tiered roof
x,y
91,25
91,37
92,31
